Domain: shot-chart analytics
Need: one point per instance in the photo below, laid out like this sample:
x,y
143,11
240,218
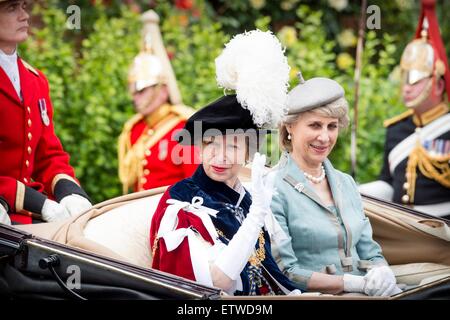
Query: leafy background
x,y
87,68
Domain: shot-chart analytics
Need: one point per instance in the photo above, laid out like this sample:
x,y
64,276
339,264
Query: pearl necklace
x,y
313,179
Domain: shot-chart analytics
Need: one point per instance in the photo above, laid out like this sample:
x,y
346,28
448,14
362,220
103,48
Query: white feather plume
x,y
254,65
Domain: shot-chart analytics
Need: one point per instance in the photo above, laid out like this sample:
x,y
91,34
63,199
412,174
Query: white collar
x,y
9,57
9,64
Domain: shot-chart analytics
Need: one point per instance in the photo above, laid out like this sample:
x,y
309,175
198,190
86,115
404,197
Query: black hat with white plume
x,y
254,66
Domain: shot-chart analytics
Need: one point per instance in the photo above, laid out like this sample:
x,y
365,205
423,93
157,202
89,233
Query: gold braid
x,y
155,246
130,167
432,167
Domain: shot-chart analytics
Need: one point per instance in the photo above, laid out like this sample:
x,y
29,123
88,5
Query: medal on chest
x,y
163,147
44,114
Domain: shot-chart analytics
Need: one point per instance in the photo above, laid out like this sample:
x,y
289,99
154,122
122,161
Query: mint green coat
x,y
319,238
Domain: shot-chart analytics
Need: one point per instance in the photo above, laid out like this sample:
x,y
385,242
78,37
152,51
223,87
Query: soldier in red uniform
x,y
35,175
149,156
416,168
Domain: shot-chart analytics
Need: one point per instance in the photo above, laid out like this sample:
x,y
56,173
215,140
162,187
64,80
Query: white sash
x,y
173,237
431,131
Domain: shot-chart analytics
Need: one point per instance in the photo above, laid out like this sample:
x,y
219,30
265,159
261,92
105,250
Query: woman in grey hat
x,y
328,245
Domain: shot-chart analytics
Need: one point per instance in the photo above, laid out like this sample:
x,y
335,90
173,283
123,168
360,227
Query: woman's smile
x,y
319,149
219,169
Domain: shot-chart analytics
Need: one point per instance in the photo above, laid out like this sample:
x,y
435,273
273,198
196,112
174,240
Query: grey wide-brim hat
x,y
313,93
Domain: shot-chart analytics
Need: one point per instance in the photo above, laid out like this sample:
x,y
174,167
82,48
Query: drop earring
x,y
289,136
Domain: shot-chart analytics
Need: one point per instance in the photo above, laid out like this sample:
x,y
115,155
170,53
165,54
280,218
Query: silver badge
x,y
163,150
44,114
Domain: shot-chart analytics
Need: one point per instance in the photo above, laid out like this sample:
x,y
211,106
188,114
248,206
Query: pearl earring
x,y
289,136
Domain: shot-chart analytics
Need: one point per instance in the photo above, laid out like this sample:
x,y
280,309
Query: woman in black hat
x,y
208,228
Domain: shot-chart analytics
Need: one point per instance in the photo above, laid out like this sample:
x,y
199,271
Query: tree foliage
x,y
87,68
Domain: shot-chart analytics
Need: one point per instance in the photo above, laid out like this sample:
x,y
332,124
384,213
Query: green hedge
x,y
87,71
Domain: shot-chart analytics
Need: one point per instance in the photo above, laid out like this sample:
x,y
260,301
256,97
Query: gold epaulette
x,y
128,165
397,118
131,122
26,65
182,111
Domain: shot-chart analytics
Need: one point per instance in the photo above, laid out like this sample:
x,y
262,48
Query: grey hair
x,y
336,109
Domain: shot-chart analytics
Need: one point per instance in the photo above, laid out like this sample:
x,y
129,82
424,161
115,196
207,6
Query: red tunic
x,y
30,152
177,261
150,156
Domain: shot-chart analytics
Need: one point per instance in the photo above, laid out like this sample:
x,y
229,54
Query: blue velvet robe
x,y
218,196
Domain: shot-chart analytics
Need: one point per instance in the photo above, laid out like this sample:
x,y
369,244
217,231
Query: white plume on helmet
x,y
254,65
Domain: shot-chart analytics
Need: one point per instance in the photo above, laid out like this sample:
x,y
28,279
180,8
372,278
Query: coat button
x,y
144,162
406,186
405,199
29,150
150,132
299,187
148,153
25,180
146,172
30,136
29,109
29,123
27,163
143,180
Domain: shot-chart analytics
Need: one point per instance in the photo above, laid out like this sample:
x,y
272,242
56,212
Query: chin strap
x,y
423,96
143,106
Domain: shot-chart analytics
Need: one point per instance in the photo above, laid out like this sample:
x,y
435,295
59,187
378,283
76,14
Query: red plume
x,y
428,11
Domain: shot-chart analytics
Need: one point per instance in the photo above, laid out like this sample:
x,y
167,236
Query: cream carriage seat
x,y
118,228
417,248
126,230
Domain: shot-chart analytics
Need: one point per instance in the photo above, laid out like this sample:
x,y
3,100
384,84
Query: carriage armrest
x,y
418,273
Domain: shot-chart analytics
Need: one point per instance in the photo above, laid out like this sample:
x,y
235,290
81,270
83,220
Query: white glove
x,y
295,292
380,281
75,204
354,283
53,211
261,190
4,217
235,255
